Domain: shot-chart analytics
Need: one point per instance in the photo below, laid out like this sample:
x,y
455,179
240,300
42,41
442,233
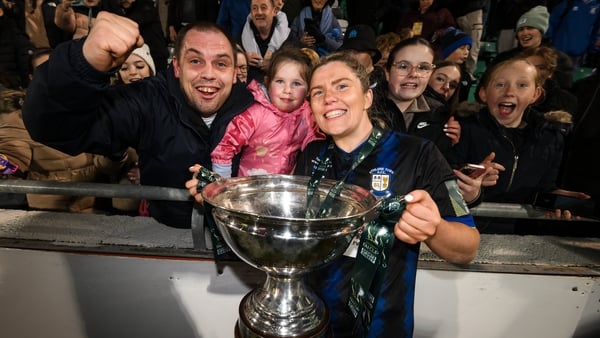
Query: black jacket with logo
x,y
428,120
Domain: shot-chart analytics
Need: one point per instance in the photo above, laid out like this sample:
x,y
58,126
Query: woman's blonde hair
x,y
312,54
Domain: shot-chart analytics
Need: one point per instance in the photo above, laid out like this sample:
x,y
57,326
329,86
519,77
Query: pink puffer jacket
x,y
270,139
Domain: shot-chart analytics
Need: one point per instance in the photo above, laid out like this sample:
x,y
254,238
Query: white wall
x,y
68,295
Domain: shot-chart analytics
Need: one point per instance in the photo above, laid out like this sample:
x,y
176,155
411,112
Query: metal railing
x,y
94,189
485,209
107,190
199,235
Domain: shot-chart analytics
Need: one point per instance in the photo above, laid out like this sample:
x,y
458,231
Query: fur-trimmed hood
x,y
468,108
559,116
559,119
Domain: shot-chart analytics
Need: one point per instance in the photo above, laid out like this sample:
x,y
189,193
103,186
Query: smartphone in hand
x,y
584,207
472,170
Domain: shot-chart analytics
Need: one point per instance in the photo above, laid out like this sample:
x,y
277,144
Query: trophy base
x,y
253,334
243,329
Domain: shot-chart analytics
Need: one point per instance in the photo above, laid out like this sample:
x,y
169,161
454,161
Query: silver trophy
x,y
263,220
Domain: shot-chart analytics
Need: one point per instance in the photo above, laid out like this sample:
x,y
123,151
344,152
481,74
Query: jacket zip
x,y
515,164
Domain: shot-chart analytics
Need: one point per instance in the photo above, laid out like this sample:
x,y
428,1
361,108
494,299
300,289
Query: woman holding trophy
x,y
370,289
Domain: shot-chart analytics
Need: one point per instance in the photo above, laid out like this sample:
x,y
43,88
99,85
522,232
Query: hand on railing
x,y
564,204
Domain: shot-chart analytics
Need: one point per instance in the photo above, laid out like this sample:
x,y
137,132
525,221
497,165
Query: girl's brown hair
x,y
453,100
289,54
414,41
548,54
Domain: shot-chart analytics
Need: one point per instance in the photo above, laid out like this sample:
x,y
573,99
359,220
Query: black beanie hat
x,y
361,38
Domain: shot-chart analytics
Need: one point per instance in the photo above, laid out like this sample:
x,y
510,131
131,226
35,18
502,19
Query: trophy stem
x,y
283,307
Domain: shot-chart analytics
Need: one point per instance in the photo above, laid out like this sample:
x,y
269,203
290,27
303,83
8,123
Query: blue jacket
x,y
232,16
576,31
329,26
70,106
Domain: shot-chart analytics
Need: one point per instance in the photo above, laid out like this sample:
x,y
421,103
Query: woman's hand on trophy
x,y
420,218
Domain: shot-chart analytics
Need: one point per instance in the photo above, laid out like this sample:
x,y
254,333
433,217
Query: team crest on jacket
x,y
380,180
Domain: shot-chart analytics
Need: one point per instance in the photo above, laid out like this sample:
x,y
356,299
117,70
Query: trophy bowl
x,y
264,221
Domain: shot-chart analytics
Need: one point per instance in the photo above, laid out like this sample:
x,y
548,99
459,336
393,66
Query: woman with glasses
x,y
405,108
241,64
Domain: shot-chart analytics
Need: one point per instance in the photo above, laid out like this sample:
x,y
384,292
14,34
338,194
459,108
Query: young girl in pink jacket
x,y
271,133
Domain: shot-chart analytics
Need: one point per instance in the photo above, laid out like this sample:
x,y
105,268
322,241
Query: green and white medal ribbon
x,y
220,248
371,263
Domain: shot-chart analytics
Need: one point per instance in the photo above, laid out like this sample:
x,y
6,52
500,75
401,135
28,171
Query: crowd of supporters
x,y
427,71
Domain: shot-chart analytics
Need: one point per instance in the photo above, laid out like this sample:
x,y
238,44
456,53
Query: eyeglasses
x,y
242,68
405,68
443,81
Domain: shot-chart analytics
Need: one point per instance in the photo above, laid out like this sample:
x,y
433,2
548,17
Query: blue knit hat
x,y
452,39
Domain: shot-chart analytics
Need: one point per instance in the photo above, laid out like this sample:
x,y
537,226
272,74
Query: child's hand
x,y
560,214
491,177
133,174
470,187
452,130
564,214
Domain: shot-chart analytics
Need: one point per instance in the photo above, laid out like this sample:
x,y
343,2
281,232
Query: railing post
x,y
200,237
